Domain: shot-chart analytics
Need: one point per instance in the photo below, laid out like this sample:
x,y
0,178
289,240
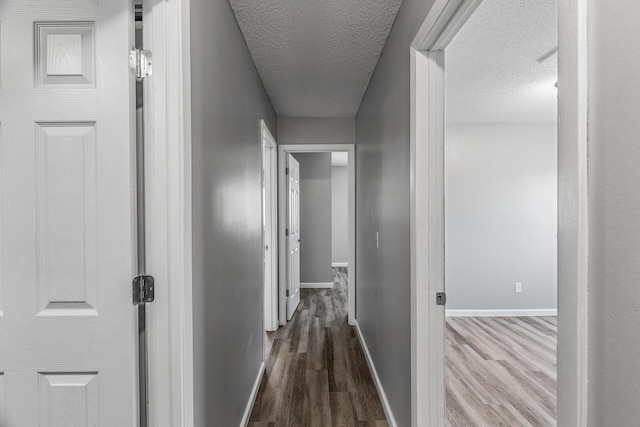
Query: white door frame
x,y
427,210
283,150
168,219
270,157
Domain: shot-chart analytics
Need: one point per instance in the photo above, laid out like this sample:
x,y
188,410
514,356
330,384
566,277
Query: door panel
x,y
67,324
270,215
293,240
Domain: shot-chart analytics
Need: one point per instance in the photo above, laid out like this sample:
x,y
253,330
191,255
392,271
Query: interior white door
x,y
293,238
67,323
269,227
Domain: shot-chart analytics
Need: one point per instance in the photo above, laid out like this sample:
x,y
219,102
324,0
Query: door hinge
x,y
143,289
286,171
140,63
287,292
286,232
441,298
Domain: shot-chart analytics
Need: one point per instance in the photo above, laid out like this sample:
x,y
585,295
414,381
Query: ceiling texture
x,y
315,57
492,69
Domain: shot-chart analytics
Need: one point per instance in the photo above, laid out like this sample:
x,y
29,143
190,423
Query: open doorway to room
x,y
316,188
500,199
428,129
307,193
340,224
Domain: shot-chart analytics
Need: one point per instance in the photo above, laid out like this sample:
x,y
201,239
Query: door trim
x,y
427,215
168,200
283,150
573,215
270,149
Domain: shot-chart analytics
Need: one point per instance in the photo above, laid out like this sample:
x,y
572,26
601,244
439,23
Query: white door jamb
x,y
573,223
168,200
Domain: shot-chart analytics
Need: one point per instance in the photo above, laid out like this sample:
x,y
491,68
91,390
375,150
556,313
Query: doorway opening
x,y
316,170
500,207
430,180
323,214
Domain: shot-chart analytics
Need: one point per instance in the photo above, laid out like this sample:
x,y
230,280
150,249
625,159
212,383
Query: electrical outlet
x,y
518,288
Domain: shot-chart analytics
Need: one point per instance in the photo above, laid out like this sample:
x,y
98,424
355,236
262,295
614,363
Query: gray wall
x,y
501,216
316,130
614,213
228,100
382,204
315,217
340,214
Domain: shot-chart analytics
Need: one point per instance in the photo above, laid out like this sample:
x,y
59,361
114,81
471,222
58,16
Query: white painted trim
x,y
283,150
339,264
270,295
427,239
376,379
443,22
573,218
168,179
542,312
317,285
252,397
427,207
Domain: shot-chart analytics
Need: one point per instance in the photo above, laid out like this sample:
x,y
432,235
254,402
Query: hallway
x,y
316,373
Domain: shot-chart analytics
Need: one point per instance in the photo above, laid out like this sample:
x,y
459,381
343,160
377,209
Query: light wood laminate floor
x,y
501,371
316,373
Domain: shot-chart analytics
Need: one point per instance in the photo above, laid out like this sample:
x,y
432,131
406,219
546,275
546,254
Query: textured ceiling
x,y
493,74
315,57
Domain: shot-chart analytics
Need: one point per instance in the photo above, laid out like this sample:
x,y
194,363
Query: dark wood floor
x,y
501,371
316,373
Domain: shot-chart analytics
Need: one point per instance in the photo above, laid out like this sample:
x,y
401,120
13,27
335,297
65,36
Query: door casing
x,y
427,210
168,212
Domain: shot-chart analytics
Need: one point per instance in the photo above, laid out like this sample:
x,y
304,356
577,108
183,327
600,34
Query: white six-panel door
x,y
293,240
67,323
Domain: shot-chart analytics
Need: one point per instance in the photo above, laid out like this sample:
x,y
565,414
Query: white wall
x,y
339,214
501,216
614,213
316,130
228,101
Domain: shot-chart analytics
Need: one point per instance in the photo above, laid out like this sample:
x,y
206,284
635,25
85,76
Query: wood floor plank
x,y
501,371
316,371
317,402
342,410
296,399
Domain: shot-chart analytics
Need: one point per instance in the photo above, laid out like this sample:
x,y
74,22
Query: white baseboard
x,y
252,398
383,397
319,285
502,313
339,264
